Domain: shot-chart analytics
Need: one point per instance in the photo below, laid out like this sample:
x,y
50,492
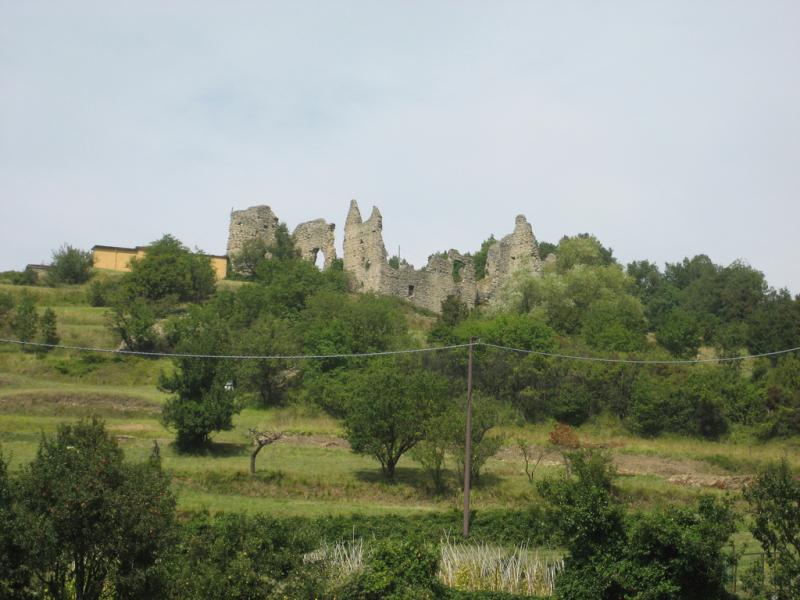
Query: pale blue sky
x,y
665,128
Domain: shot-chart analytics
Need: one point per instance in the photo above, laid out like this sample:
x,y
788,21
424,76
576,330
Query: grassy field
x,y
312,470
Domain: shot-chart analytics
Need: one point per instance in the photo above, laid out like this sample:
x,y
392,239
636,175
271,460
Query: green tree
x,y
546,249
670,554
267,380
582,249
487,414
49,327
774,501
479,258
70,265
170,270
133,319
692,403
774,324
14,574
88,519
253,253
615,323
202,400
680,333
291,282
584,505
25,322
454,311
390,405
781,392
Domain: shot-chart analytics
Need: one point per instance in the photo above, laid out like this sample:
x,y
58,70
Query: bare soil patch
x,y
314,441
685,472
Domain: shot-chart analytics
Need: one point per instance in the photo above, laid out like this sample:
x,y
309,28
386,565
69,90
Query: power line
x,y
397,352
235,356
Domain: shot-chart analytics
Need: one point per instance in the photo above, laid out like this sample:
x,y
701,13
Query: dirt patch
x,y
314,441
77,404
685,472
132,427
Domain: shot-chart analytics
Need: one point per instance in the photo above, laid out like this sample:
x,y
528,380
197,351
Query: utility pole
x,y
468,444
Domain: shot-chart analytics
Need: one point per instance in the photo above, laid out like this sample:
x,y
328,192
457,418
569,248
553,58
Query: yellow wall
x,y
118,259
115,259
220,266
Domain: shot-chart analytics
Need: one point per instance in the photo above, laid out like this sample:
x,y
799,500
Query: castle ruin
x,y
365,257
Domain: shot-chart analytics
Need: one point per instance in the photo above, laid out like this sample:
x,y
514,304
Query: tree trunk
x,y
253,455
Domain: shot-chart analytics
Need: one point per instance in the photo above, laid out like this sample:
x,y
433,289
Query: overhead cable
x,y
397,352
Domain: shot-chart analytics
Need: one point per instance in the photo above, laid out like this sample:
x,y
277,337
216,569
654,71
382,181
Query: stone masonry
x,y
257,222
365,257
313,237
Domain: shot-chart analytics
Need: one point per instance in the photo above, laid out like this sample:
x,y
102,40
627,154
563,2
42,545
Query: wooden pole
x,y
468,444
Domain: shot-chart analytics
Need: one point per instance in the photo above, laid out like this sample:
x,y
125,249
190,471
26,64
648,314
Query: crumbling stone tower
x,y
364,251
516,251
257,222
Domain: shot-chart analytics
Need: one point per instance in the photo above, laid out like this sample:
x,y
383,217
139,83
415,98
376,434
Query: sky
x,y
667,129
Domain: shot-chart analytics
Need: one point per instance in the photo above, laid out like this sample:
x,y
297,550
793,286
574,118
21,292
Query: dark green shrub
x,y
70,265
673,553
774,502
397,569
49,327
25,322
169,269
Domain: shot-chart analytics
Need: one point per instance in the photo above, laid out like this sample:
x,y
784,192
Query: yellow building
x,y
116,258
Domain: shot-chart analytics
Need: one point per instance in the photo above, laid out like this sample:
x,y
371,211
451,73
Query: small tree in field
x,y
70,265
25,322
390,406
202,400
49,326
260,440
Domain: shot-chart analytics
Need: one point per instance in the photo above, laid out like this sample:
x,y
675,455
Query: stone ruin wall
x,y
257,222
313,237
365,257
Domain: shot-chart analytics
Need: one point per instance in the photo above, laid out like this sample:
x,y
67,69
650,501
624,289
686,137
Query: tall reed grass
x,y
463,566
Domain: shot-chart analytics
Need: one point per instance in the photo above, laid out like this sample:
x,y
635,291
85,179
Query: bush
x,y
673,553
202,400
236,557
70,265
774,501
397,569
25,322
87,519
169,269
690,404
49,326
26,277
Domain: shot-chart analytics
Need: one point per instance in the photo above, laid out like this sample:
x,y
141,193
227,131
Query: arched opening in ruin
x,y
411,291
319,258
457,266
